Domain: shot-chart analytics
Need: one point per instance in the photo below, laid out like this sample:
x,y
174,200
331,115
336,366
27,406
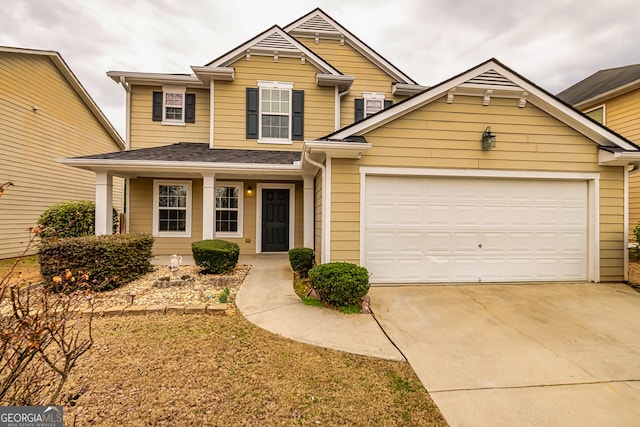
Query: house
x,y
305,136
47,115
612,97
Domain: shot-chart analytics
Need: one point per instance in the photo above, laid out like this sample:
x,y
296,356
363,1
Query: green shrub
x,y
110,261
301,260
72,219
216,256
340,283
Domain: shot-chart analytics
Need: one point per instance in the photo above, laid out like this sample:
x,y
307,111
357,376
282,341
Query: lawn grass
x,y
27,268
224,371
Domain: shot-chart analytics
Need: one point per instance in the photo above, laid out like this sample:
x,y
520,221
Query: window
x,y
229,202
172,208
373,102
369,104
597,114
275,113
173,106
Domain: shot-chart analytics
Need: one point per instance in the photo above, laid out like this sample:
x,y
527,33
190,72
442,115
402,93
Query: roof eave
x,y
342,82
605,96
617,158
337,149
207,74
407,89
155,79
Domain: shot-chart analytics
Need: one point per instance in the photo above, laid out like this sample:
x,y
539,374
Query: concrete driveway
x,y
538,355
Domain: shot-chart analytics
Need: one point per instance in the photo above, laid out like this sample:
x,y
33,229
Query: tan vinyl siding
x,y
142,217
623,116
32,141
369,78
147,133
441,135
230,101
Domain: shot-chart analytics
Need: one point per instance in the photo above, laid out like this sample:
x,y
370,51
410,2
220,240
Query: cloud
x,y
552,42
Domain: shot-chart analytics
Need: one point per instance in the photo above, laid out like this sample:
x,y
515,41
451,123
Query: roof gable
x,y
602,85
487,80
66,72
277,43
318,24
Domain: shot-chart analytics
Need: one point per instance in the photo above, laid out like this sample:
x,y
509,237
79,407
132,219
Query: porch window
x,y
172,208
229,203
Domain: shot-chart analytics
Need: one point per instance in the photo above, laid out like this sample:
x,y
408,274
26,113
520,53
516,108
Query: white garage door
x,y
421,230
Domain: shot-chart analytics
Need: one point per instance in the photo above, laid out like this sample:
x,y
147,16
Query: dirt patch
x,y
224,371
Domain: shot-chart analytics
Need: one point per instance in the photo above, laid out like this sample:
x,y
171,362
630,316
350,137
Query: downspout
x,y
323,221
127,147
338,104
635,167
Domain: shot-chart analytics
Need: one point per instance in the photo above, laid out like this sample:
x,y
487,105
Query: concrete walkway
x,y
267,299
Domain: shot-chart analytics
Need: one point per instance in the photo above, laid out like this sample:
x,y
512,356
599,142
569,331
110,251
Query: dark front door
x,y
275,220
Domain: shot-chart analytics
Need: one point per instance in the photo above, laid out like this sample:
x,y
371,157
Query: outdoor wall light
x,y
488,139
249,190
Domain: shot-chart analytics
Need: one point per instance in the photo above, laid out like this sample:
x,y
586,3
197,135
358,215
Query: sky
x,y
554,43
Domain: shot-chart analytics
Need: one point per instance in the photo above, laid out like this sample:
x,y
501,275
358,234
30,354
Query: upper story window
x,y
597,114
173,106
275,113
369,104
171,208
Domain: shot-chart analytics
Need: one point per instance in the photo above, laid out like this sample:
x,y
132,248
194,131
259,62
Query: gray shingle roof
x,y
601,82
200,152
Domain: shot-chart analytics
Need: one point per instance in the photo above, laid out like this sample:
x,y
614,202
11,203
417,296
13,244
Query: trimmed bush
x,y
72,219
301,260
340,283
216,256
110,261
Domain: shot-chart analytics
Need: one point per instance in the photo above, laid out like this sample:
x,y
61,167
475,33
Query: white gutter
x,y
323,221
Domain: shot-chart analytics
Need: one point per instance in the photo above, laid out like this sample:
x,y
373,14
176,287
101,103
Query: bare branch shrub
x,y
42,333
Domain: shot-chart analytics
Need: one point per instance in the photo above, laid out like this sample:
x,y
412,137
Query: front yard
x,y
223,371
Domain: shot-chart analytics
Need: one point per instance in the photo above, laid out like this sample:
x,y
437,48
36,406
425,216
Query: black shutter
x,y
252,113
388,103
157,107
190,108
359,109
297,115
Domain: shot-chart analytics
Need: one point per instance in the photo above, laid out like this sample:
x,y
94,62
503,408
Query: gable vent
x,y
275,41
316,24
491,78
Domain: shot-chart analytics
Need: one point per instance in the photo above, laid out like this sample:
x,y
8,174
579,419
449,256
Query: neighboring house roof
x,y
190,156
491,79
602,85
318,24
64,69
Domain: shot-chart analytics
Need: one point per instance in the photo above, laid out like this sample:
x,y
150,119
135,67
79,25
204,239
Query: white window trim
x,y
263,84
173,89
604,112
372,96
156,201
239,233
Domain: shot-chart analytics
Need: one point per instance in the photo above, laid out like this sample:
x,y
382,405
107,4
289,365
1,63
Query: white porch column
x,y
104,203
308,217
208,206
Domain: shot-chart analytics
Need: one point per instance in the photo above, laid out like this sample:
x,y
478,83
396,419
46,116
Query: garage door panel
x,y
469,230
